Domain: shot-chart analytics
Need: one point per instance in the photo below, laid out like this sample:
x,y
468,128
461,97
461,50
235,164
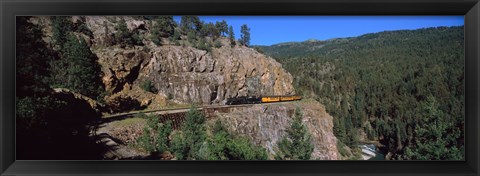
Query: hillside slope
x,y
388,86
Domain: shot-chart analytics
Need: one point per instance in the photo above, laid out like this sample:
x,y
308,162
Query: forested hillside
x,y
402,88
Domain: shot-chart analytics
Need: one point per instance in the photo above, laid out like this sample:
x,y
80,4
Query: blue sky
x,y
268,30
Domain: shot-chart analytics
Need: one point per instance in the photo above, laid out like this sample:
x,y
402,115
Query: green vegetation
x,y
225,146
436,137
148,86
46,122
222,27
231,36
163,27
379,84
194,142
175,37
155,137
190,24
217,44
244,35
83,72
188,142
61,25
210,30
297,144
124,37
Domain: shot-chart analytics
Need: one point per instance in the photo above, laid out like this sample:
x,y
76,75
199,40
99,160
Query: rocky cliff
x,y
265,125
186,74
183,73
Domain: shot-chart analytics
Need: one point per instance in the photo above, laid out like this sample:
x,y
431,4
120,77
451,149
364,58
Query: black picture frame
x,y
9,9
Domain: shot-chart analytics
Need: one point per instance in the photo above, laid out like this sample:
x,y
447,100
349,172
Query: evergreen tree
x,y
297,145
123,35
32,57
155,137
190,24
210,30
61,26
175,37
187,144
436,138
244,35
231,36
83,71
222,27
32,89
163,27
339,128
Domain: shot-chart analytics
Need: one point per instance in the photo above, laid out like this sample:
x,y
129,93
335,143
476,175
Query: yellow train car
x,y
297,97
287,98
269,99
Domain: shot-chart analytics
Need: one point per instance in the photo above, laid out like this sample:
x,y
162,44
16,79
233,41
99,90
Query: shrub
x,y
175,37
204,45
187,144
224,146
137,39
217,44
148,86
191,37
144,141
155,137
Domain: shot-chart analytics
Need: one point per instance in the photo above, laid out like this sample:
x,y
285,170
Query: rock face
x,y
265,125
82,102
187,74
195,76
182,73
120,66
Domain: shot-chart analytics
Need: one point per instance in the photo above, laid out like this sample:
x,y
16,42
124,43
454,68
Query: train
x,y
262,99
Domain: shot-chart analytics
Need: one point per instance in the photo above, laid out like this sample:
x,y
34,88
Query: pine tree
x,y
297,145
245,35
61,26
163,27
123,35
187,144
436,138
231,36
222,27
32,57
210,30
83,71
190,24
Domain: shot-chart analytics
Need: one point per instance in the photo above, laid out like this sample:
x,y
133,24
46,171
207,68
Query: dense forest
x,y
402,88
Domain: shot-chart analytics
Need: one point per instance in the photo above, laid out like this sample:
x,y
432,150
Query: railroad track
x,y
174,113
171,110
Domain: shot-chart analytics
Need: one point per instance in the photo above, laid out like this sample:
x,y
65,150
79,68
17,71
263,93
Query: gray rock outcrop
x,y
265,125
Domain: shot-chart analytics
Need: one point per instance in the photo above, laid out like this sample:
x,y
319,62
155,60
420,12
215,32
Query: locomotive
x,y
261,99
